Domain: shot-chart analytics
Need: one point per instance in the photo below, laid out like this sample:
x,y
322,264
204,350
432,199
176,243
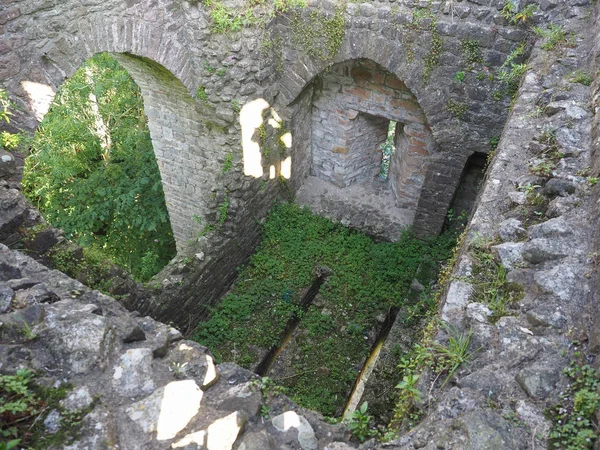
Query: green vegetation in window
x,y
93,173
330,343
388,148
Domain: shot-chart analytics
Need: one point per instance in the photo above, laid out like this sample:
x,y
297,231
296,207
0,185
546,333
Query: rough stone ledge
x,y
153,389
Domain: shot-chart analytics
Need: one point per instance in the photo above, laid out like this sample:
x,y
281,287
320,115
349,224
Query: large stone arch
x,y
352,107
389,37
160,66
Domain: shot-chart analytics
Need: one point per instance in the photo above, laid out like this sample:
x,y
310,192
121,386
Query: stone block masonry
x,y
351,114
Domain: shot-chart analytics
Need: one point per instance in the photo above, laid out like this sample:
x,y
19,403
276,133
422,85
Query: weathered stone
x,y
53,421
132,376
511,230
6,297
539,250
79,341
304,433
556,186
510,253
552,228
487,430
191,360
220,435
457,299
478,312
566,281
257,441
7,165
167,410
539,380
156,336
78,399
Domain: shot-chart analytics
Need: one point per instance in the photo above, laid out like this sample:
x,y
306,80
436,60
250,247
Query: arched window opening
x,y
92,170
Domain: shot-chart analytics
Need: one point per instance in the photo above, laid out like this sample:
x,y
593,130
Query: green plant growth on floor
x,y
359,423
23,407
420,357
331,341
490,286
92,170
574,421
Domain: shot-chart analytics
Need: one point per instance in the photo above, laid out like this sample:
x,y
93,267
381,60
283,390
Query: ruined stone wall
x,y
425,51
195,82
539,227
595,172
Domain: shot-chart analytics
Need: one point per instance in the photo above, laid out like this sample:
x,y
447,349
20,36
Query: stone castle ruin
x,y
303,105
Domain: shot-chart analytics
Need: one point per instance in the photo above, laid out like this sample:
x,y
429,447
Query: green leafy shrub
x,y
5,107
92,169
359,423
24,405
511,12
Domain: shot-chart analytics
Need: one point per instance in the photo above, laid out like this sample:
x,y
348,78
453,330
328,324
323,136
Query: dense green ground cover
x,y
368,279
92,170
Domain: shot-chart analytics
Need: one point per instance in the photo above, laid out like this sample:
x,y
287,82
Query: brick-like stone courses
x,y
350,119
175,125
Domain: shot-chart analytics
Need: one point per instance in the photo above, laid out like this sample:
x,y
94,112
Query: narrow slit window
x,y
388,148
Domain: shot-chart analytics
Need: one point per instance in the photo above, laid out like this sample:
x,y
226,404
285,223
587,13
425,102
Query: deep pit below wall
x,y
313,301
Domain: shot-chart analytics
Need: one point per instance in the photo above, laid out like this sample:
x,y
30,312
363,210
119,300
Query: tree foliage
x,y
92,170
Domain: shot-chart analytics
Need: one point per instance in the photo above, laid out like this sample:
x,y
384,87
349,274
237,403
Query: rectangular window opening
x,y
388,148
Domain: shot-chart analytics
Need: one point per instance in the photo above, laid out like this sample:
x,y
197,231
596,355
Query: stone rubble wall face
x,y
517,369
